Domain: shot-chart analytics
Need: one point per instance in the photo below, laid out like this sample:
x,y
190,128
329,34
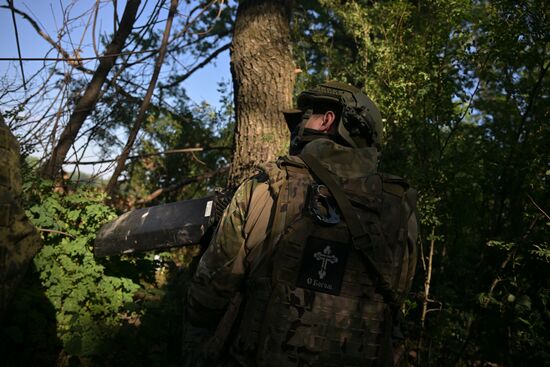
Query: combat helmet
x,y
359,123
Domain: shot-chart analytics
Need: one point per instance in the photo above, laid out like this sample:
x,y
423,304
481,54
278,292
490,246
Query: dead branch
x,y
10,2
79,59
210,57
55,231
538,207
121,161
215,19
139,101
75,62
140,156
89,99
189,22
178,185
426,296
94,44
427,280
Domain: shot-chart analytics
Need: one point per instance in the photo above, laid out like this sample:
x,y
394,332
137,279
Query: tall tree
x,y
263,79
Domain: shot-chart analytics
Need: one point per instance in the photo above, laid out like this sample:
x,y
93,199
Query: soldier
x,y
313,257
19,240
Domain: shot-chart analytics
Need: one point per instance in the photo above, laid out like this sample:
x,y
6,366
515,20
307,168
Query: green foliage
x,y
322,46
199,127
90,305
182,126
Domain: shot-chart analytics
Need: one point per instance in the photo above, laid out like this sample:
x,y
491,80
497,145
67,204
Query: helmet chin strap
x,y
296,135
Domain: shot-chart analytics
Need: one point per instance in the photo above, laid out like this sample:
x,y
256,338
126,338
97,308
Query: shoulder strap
x,y
359,237
216,345
277,220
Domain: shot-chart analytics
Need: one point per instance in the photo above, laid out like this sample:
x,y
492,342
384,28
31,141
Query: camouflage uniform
x,y
241,244
19,240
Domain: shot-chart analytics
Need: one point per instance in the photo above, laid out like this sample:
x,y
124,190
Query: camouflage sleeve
x,y
222,268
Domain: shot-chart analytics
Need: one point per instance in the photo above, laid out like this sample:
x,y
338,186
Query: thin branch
x,y
464,113
79,48
55,231
178,185
72,60
133,99
89,98
422,256
189,23
428,280
211,57
58,115
94,43
121,162
538,207
10,2
199,39
214,21
426,297
166,152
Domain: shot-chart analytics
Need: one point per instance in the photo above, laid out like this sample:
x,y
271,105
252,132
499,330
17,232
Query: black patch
x,y
323,265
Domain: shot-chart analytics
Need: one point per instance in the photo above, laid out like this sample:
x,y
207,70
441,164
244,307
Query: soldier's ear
x,y
328,120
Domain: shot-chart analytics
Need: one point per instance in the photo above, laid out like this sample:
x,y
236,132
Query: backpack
x,y
329,286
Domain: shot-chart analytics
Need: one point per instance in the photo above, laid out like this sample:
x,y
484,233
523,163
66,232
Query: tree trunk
x,y
263,80
89,99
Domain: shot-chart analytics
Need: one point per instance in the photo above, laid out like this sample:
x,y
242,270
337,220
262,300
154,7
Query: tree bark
x,y
121,160
263,79
87,102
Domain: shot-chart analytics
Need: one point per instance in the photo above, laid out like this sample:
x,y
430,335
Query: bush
x,y
90,305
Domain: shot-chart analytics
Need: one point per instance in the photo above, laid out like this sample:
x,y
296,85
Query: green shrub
x,y
90,305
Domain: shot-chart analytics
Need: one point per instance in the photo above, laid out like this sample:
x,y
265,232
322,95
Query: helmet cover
x,y
359,123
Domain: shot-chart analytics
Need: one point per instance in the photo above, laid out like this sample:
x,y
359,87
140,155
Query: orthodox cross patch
x,y
323,265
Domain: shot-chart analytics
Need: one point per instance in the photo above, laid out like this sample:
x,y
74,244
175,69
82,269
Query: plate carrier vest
x,y
314,299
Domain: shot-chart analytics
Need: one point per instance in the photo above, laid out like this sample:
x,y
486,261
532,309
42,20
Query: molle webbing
x,y
359,237
361,241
